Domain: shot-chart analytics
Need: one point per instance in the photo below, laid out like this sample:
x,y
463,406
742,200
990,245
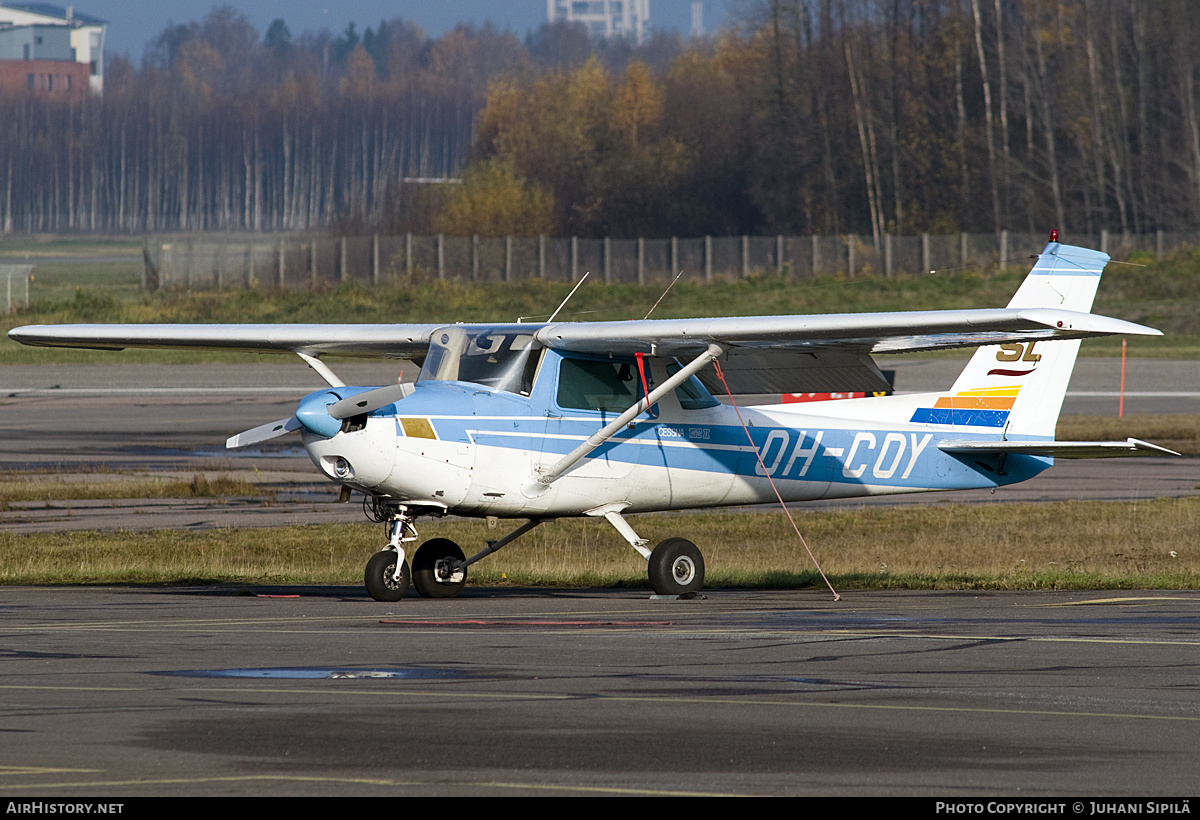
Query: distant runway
x,y
121,692
175,419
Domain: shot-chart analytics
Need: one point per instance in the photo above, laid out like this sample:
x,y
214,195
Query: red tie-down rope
x,y
758,456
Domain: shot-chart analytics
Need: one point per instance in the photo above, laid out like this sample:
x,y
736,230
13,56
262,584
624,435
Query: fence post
x,y
674,256
925,263
816,249
1004,249
641,261
574,258
707,258
1158,243
279,243
187,267
541,256
887,255
474,257
508,259
20,270
408,254
1104,240
779,253
607,260
745,256
312,261
962,249
249,263
375,259
850,254
441,253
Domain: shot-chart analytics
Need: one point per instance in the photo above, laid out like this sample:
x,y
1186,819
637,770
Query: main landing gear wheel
x,y
433,569
380,577
676,567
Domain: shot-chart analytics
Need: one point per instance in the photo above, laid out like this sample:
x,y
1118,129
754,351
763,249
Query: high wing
x,y
763,354
375,341
830,352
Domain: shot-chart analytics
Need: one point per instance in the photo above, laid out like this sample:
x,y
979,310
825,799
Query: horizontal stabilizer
x,y
1059,449
264,432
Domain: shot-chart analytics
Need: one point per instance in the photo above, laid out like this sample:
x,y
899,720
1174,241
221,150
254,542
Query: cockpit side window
x,y
598,384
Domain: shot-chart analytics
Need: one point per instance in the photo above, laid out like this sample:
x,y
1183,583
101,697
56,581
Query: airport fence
x,y
207,261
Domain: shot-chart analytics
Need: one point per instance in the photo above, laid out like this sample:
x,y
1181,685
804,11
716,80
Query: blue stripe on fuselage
x,y
971,418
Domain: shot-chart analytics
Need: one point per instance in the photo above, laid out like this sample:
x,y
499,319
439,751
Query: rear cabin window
x,y
692,394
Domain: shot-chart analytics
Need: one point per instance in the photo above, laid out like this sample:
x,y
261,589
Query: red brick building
x,y
44,76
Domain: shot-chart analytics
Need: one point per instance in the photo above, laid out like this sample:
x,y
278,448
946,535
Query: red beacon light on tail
x,y
1054,236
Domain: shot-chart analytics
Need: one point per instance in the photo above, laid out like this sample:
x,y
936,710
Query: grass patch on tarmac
x,y
1179,432
54,488
1070,545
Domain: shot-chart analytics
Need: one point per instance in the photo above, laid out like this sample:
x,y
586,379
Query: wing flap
x,y
759,370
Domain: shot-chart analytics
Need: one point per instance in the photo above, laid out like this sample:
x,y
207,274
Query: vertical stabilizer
x,y
1019,387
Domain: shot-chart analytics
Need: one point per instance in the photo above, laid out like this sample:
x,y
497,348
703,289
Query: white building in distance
x,y
604,18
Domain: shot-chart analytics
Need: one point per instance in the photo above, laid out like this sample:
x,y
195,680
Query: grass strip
x,y
1179,432
41,487
1061,545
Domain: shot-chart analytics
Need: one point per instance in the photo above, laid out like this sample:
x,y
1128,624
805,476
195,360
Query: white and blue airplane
x,y
604,419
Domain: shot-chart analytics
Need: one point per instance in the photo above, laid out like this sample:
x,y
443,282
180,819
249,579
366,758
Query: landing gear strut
x,y
387,577
676,567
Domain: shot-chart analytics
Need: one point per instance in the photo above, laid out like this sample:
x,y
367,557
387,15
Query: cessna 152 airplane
x,y
549,420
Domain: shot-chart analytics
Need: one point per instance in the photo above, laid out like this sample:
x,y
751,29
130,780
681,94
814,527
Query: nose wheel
x,y
381,579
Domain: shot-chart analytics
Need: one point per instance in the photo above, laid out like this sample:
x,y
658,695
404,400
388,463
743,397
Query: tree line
x,y
805,117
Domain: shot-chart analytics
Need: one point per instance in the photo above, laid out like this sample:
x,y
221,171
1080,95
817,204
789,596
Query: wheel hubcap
x,y
684,570
444,572
389,577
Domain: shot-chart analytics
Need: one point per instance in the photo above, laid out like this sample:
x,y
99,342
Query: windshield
x,y
500,357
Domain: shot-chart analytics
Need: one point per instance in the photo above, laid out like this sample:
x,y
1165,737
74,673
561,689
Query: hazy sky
x,y
132,23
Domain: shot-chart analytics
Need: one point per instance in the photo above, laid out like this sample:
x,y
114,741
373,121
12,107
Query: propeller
x,y
323,412
370,401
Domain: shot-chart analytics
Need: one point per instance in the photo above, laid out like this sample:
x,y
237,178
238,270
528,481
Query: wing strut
x,y
539,483
321,368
